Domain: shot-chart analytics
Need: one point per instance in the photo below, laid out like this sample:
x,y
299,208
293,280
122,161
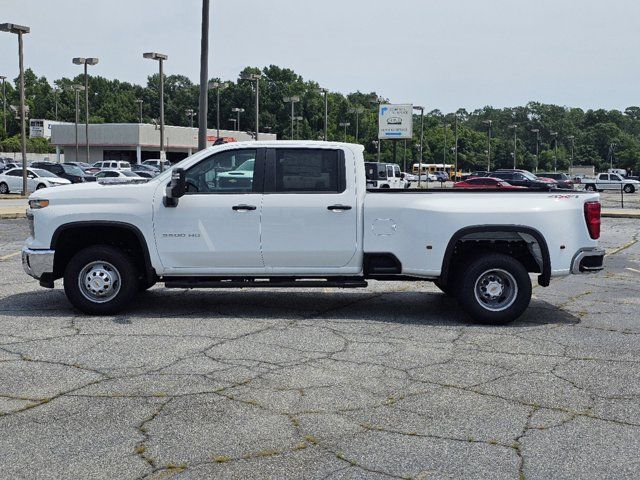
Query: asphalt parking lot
x,y
390,381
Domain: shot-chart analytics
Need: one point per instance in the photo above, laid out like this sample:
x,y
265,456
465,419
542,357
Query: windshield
x,y
73,170
129,174
246,166
43,173
529,175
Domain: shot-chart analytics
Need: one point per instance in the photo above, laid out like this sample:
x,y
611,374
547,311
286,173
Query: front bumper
x,y
588,260
37,263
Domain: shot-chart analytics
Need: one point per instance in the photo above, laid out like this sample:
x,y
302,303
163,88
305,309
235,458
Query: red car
x,y
486,182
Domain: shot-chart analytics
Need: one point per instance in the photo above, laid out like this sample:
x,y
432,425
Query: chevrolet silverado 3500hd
x,y
298,214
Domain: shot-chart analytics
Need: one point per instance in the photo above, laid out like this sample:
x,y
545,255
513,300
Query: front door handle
x,y
338,207
243,207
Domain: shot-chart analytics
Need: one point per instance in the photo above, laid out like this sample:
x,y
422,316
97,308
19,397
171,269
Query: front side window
x,y
309,170
225,172
389,171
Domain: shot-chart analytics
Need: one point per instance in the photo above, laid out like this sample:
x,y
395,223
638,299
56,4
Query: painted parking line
x,y
7,257
633,269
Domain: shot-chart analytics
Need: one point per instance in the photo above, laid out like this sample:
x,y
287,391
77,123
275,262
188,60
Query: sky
x,y
437,53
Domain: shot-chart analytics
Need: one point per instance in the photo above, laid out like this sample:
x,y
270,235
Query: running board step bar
x,y
196,282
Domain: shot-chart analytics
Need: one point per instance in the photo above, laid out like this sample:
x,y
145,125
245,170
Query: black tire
x,y
118,261
503,289
385,186
629,188
4,188
40,186
590,187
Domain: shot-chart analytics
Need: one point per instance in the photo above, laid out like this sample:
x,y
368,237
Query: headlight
x,y
37,204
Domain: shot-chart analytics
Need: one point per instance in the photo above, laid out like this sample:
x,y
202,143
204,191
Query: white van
x,y
112,165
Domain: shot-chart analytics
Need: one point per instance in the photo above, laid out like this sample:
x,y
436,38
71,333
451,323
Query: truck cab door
x,y
310,212
215,228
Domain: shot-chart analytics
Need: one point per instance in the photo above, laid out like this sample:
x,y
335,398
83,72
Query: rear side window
x,y
309,170
389,171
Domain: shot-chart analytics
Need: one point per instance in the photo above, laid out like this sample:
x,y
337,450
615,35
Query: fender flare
x,y
543,279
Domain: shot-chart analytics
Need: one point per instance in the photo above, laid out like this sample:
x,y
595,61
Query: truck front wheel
x,y
100,280
494,289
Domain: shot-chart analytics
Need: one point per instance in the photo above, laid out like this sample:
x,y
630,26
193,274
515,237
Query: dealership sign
x,y
395,121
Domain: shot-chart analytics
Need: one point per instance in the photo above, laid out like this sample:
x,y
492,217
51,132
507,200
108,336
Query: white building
x,y
41,128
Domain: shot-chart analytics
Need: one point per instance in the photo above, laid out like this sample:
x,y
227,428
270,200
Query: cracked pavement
x,y
387,382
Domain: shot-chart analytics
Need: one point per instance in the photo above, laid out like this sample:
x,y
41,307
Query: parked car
x,y
441,176
486,182
70,172
82,165
410,177
146,171
11,180
311,223
112,165
119,176
524,178
158,164
562,179
384,175
610,181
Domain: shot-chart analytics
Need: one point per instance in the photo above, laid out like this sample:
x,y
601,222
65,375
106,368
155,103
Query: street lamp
x,y
160,58
234,122
190,112
488,122
345,125
325,92
357,110
139,101
293,99
86,62
555,152
515,143
537,132
572,138
417,107
255,77
20,31
445,127
298,119
238,111
77,88
4,102
218,86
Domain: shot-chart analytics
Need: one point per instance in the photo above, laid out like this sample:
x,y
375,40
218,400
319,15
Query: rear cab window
x,y
305,170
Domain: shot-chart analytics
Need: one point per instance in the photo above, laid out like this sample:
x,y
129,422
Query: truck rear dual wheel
x,y
100,280
494,289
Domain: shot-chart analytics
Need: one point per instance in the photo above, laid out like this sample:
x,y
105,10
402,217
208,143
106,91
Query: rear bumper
x,y
588,260
37,263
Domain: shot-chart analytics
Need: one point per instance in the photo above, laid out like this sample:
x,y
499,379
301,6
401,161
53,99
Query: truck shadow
x,y
403,307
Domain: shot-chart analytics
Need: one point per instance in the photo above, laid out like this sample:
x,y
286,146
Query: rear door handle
x,y
338,207
243,207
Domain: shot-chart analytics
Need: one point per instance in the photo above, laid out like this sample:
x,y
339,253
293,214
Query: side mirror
x,y
176,188
402,175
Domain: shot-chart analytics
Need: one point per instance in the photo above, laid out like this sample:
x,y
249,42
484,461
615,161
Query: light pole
x,y
190,112
293,99
218,86
572,138
139,101
255,77
298,119
357,110
489,123
160,59
55,98
235,122
20,31
203,104
445,127
555,151
325,92
455,146
86,62
4,102
77,88
415,107
345,125
515,143
237,111
377,101
537,132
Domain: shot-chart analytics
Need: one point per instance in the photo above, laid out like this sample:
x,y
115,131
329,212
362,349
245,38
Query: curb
x,y
12,216
620,215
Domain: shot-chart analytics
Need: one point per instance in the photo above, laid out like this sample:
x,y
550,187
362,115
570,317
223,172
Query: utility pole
x,y
537,132
203,105
515,143
20,31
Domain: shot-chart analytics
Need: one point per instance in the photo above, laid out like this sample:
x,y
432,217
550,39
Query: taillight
x,y
592,217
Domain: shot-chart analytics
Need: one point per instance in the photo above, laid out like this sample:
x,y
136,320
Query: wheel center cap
x,y
494,289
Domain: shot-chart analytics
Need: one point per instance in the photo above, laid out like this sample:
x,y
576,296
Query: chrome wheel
x,y
99,282
496,290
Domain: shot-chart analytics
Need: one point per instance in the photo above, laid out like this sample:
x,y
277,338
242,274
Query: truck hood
x,y
94,192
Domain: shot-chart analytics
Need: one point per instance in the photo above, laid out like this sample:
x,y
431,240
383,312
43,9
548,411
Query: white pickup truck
x,y
304,218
